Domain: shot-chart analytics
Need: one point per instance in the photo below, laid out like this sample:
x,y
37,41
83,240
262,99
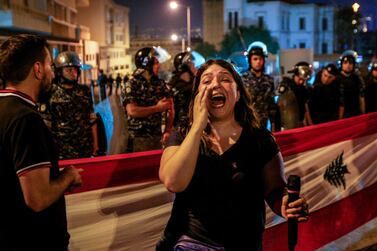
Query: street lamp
x,y
174,37
355,8
174,5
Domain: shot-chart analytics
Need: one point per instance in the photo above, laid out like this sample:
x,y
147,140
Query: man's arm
x,y
170,122
341,112
137,111
362,105
40,192
95,138
308,117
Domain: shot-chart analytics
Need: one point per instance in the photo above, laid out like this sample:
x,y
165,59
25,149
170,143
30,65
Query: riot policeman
x,y
324,97
185,64
148,103
351,86
294,95
260,85
73,121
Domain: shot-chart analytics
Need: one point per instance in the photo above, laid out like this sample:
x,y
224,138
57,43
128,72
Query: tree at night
x,y
206,49
239,38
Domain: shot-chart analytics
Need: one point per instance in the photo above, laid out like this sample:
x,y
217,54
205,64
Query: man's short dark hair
x,y
18,54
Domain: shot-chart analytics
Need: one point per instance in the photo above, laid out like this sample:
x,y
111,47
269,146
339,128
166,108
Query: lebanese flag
x,y
338,168
122,205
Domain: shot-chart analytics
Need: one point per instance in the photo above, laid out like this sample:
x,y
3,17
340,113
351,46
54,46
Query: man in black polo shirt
x,y
33,205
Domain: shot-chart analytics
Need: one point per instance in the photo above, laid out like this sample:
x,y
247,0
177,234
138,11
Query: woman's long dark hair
x,y
243,112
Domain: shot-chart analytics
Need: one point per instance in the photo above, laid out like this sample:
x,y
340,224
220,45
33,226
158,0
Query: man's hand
x,y
164,104
165,138
74,173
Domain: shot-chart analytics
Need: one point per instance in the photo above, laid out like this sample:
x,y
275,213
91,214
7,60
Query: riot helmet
x,y
183,60
144,58
257,48
67,59
348,55
302,69
332,69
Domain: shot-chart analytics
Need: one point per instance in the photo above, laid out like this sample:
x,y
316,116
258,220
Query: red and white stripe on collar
x,y
15,93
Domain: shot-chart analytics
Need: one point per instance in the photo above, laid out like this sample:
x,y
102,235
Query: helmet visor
x,y
161,54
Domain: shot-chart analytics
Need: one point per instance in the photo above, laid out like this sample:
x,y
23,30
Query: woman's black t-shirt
x,y
224,202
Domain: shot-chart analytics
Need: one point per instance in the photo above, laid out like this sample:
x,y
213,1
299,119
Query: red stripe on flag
x,y
116,170
308,138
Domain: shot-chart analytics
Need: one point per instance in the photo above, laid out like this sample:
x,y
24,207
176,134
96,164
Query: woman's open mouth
x,y
218,100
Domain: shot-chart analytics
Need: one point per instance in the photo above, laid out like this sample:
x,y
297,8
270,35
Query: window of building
x,y
324,24
302,45
325,48
230,20
236,19
287,22
260,22
302,23
282,22
110,15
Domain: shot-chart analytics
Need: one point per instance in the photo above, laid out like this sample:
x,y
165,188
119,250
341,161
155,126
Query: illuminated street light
x,y
174,5
355,7
174,37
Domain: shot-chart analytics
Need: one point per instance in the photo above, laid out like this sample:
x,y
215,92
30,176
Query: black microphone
x,y
293,187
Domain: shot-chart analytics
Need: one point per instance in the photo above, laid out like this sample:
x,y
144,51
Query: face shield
x,y
197,59
161,54
239,60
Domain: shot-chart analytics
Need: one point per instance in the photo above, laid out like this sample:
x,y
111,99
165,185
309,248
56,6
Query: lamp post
x,y
174,37
174,5
355,8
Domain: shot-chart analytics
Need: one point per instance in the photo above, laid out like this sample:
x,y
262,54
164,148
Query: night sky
x,y
156,14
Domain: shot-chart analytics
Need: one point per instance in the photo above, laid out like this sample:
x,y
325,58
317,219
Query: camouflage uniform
x,y
145,133
262,91
292,101
182,95
69,113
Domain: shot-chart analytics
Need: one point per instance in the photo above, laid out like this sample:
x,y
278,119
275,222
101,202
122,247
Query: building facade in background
x,y
109,26
53,19
291,23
